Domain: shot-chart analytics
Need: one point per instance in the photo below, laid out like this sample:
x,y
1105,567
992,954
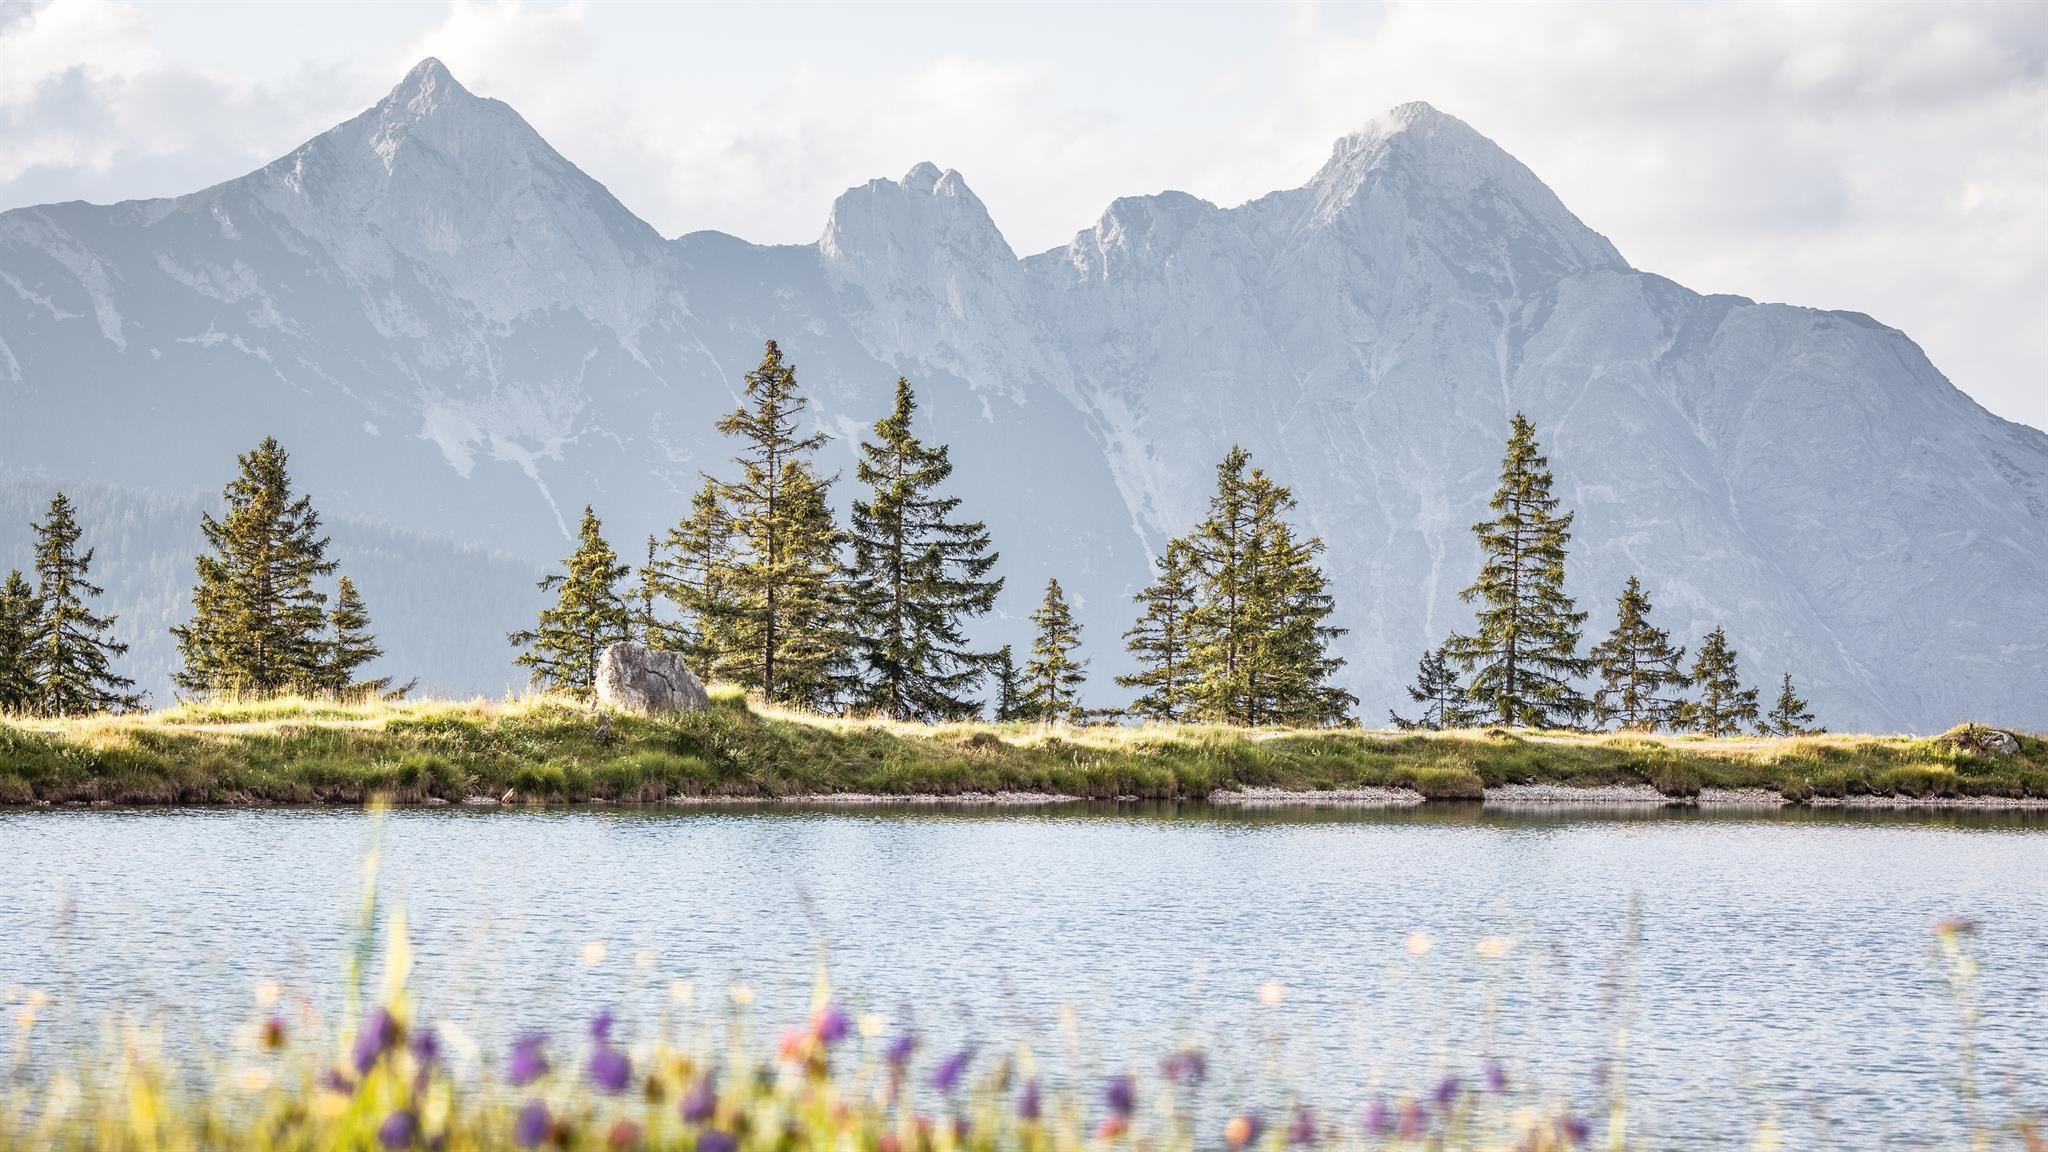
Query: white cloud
x,y
1886,157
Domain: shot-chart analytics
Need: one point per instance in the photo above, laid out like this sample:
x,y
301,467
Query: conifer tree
x,y
19,612
258,622
588,615
1525,650
72,663
1640,672
784,631
653,633
694,576
1789,716
1258,632
1723,705
918,573
1053,678
1009,689
1442,697
350,645
1162,637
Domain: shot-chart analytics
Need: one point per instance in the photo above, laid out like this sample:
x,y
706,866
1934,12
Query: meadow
x,y
550,749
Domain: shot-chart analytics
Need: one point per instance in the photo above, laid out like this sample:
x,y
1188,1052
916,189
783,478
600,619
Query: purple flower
x,y
946,1076
899,1050
1446,1091
426,1047
1496,1077
700,1101
610,1069
399,1130
1573,1129
601,1026
1379,1119
831,1025
529,1060
336,1080
1028,1103
1121,1096
377,1033
713,1140
1187,1066
1302,1129
530,1127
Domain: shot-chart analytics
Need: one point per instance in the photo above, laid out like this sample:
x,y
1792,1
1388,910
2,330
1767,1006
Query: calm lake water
x,y
1783,968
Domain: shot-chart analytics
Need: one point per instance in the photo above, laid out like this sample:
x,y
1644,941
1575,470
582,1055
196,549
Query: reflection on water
x,y
1784,966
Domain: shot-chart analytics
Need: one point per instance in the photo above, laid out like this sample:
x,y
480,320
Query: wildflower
x,y
273,1033
1120,1095
699,1102
1187,1066
530,1127
1418,944
1413,1121
593,953
713,1140
1028,1104
1446,1092
1492,947
1302,1129
946,1076
426,1047
529,1060
1955,926
1112,1128
378,1032
610,1070
830,1025
624,1134
1243,1129
601,1026
899,1050
399,1130
337,1080
1272,992
1496,1077
1573,1129
1379,1119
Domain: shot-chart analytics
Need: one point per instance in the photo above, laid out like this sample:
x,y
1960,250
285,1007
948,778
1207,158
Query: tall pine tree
x,y
1442,696
350,645
1162,637
1723,705
1525,650
73,663
19,611
1053,678
918,573
1789,716
258,622
1008,702
694,575
589,614
785,632
1259,636
1641,674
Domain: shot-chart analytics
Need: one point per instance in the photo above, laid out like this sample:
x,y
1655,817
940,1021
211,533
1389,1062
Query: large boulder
x,y
1981,740
633,678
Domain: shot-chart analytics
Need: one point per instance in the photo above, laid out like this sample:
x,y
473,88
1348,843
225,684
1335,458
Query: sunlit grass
x,y
550,749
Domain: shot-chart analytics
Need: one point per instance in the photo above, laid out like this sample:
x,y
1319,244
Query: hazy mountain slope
x,y
458,333
433,603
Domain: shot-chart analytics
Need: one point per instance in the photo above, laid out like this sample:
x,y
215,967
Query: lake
x,y
1782,966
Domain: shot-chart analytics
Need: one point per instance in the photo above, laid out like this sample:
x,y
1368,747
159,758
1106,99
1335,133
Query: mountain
x,y
461,336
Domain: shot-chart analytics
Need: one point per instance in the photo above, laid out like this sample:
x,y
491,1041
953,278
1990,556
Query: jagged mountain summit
x,y
459,333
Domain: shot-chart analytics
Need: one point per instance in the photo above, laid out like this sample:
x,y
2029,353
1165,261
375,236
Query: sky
x,y
1887,158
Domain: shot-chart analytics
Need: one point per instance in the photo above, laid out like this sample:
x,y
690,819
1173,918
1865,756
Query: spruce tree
x,y
918,573
1641,674
350,645
72,661
1443,699
1008,703
1053,678
785,616
1161,639
1259,636
1789,716
19,612
1723,705
588,615
694,576
1525,650
653,633
258,622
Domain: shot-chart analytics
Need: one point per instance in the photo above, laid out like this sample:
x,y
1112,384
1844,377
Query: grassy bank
x,y
550,750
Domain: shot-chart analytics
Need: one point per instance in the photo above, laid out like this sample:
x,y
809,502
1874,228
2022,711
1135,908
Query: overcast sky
x,y
1886,158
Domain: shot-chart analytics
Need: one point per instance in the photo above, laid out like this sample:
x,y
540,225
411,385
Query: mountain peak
x,y
428,87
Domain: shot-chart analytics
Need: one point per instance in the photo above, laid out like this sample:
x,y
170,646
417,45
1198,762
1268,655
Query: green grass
x,y
547,749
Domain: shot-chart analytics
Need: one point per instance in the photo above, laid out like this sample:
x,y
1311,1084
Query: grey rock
x,y
647,681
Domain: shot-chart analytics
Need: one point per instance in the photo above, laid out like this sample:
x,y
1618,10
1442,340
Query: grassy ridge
x,y
547,749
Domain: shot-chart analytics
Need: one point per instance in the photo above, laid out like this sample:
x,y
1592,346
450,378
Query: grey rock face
x,y
647,681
